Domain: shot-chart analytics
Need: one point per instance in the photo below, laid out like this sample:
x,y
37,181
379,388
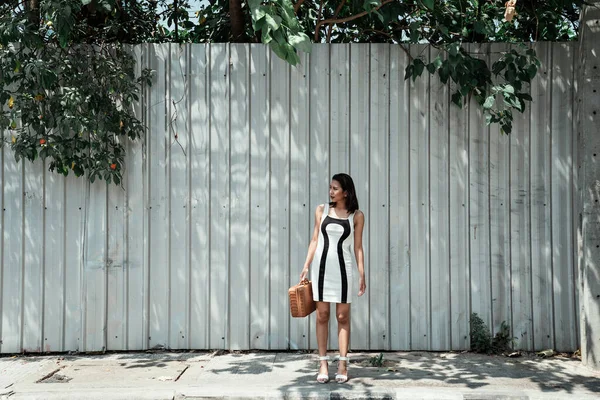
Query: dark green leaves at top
x,y
280,29
428,3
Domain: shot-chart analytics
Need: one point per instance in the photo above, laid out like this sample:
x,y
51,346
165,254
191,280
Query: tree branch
x,y
337,11
297,6
319,22
347,19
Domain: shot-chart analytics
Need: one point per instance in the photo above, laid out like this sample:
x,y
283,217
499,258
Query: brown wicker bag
x,y
301,299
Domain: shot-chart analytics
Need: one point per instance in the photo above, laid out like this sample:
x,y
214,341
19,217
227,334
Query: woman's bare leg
x,y
322,332
342,312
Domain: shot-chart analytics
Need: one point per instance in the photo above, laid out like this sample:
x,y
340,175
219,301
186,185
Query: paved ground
x,y
270,375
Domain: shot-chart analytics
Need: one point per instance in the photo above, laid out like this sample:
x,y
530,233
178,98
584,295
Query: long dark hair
x,y
347,184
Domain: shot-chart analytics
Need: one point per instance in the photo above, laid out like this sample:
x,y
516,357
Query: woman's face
x,y
336,193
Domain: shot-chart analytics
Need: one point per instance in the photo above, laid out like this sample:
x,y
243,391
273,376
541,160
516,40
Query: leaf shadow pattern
x,y
468,370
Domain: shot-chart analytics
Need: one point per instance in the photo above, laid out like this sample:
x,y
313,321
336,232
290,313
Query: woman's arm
x,y
359,223
312,247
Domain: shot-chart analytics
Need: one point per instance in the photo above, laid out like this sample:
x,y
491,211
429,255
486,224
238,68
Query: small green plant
x,y
482,341
376,361
502,341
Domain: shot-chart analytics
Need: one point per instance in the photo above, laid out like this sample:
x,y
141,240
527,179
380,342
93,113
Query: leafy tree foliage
x,y
68,82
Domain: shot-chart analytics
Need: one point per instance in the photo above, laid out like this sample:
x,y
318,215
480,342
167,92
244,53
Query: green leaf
x,y
498,66
509,89
408,71
369,5
525,96
273,22
444,73
414,31
488,119
266,38
457,99
419,68
531,71
428,3
301,42
85,2
489,102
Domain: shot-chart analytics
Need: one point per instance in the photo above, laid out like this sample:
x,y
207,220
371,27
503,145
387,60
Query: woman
x,y
338,225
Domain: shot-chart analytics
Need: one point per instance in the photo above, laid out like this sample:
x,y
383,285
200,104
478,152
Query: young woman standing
x,y
338,227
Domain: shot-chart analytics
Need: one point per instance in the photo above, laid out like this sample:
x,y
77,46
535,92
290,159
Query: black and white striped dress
x,y
331,269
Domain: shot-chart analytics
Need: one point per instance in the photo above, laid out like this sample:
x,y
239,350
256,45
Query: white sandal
x,y
323,378
341,378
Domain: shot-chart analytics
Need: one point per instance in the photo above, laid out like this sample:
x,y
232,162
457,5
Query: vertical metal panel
x,y
280,202
520,221
212,226
420,277
157,203
94,277
33,253
178,148
399,156
74,247
541,224
319,139
565,312
359,170
439,218
499,215
219,194
54,261
239,288
259,197
12,256
301,215
199,155
135,218
378,211
459,226
479,218
116,266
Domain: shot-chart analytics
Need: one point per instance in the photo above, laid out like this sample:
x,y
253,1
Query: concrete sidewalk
x,y
290,375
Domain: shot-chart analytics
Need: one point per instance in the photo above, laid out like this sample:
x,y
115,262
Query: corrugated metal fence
x,y
213,223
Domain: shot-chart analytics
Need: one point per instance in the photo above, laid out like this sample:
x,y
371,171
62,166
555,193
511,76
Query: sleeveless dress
x,y
331,269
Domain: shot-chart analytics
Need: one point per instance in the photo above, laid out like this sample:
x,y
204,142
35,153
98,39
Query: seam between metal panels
x,y
389,182
428,215
22,266
169,165
489,208
209,181
575,190
43,266
249,310
147,215
468,218
368,195
188,94
308,136
289,204
550,58
2,240
532,323
269,214
409,108
449,228
227,333
64,270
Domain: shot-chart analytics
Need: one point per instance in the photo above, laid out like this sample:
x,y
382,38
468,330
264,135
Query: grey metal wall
x,y
213,223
